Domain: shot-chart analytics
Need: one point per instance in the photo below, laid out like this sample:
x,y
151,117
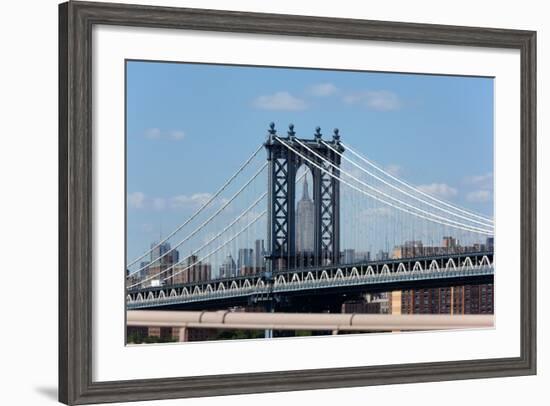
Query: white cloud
x,y
139,200
322,89
157,134
153,133
158,203
194,200
439,189
136,200
176,135
481,188
479,196
394,169
379,100
280,101
484,181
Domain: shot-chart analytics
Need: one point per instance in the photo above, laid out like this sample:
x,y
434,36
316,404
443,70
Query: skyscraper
x,y
228,268
349,256
162,259
244,260
259,254
490,243
304,221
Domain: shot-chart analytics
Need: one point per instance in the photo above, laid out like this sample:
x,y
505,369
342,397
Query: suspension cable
x,y
405,192
385,194
204,223
206,204
217,235
220,247
207,243
479,231
455,207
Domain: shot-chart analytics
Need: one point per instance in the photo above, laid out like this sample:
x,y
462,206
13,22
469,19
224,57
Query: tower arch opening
x,y
305,218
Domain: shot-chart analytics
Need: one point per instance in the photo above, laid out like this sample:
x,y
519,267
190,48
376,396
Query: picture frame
x,y
76,20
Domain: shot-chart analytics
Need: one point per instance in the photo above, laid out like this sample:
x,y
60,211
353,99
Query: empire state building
x,y
304,221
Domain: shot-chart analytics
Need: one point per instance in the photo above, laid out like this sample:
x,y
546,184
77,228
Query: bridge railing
x,y
303,280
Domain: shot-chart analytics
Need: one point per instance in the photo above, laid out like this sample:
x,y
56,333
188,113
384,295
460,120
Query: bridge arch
x,y
485,261
467,263
401,268
450,265
281,280
354,273
304,203
434,266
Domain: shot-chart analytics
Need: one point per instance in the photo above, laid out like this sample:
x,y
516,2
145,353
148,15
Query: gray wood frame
x,y
76,20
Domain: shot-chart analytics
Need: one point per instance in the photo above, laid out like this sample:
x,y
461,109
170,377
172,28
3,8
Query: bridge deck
x,y
391,274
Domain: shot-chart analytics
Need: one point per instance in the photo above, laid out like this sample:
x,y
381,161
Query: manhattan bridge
x,y
315,224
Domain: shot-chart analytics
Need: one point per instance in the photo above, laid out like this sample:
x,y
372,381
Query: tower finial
x,y
291,133
318,134
272,129
336,135
271,133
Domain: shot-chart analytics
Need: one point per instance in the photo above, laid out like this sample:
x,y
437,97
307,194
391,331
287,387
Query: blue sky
x,y
189,126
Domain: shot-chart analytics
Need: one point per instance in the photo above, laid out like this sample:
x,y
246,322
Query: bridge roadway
x,y
320,283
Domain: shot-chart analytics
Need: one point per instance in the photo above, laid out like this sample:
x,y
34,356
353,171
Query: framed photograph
x,y
276,202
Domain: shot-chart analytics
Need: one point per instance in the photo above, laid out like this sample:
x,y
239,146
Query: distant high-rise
x,y
161,266
259,253
382,255
163,250
450,243
305,221
228,268
349,256
193,270
244,259
362,256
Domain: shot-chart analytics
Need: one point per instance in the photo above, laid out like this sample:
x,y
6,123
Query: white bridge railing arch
x,y
317,279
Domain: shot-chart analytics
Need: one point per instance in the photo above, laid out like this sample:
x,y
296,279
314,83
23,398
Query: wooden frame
x,y
75,185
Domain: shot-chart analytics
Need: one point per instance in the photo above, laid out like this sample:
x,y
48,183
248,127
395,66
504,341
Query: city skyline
x,y
251,261
160,199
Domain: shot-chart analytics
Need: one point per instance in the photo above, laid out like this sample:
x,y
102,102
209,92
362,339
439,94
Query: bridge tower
x,y
281,224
